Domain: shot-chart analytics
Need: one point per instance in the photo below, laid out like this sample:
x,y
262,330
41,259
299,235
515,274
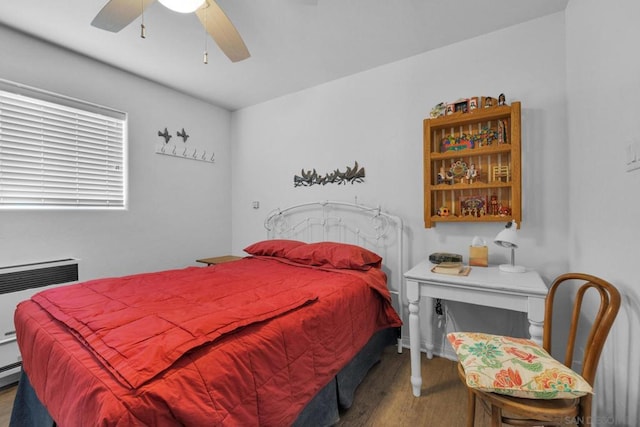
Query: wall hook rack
x,y
186,153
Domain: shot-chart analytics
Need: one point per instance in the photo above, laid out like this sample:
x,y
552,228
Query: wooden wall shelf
x,y
486,141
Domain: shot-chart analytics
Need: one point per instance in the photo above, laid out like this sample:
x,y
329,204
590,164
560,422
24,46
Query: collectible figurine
x,y
443,211
472,173
445,177
488,102
504,211
502,132
502,100
438,110
451,143
461,105
473,206
458,169
449,109
494,205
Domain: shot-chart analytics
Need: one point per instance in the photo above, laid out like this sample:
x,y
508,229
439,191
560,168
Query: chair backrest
x,y
602,322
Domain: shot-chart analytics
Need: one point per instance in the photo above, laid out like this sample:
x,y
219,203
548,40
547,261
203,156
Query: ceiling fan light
x,y
182,6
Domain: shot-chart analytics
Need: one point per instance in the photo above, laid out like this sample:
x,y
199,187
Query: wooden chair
x,y
499,172
535,412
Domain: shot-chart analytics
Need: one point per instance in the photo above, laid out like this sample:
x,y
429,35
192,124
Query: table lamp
x,y
508,238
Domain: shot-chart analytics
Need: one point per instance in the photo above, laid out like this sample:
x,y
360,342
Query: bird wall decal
x,y
311,177
165,135
183,135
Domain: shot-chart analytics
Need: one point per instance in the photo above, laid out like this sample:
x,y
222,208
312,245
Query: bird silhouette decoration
x,y
183,135
165,135
311,177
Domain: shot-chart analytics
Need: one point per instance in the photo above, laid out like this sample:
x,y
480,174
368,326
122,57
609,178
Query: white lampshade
x,y
182,6
508,238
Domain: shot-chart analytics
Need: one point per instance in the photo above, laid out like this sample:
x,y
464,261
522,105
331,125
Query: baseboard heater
x,y
10,366
36,275
18,283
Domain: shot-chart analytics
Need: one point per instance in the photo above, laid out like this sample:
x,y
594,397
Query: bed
x,y
280,337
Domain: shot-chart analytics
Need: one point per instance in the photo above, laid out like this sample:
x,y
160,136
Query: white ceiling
x,y
294,44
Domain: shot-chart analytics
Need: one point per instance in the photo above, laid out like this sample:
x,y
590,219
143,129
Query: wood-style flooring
x,y
6,403
384,398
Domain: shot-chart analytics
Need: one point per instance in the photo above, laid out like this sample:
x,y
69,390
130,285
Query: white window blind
x,y
58,152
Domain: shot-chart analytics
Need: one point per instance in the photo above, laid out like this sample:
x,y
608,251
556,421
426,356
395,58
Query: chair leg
x,y
496,416
471,408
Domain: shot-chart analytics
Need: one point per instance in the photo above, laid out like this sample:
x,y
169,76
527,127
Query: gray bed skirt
x,y
323,410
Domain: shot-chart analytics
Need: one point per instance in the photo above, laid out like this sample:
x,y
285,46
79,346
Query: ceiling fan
x,y
117,14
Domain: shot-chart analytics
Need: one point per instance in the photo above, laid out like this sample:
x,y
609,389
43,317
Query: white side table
x,y
487,286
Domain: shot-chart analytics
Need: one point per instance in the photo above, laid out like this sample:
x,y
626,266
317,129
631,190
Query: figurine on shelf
x,y
461,105
502,100
449,109
445,177
472,173
458,170
473,206
489,102
494,205
504,211
443,211
502,132
438,110
451,143
485,137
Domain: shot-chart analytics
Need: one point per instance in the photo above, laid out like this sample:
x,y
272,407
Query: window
x,y
59,152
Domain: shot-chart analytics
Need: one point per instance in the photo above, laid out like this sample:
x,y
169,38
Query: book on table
x,y
454,268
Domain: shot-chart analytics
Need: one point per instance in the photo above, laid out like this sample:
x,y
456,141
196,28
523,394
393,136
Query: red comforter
x,y
242,343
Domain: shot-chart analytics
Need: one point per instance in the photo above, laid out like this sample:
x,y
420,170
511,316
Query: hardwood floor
x,y
6,403
384,398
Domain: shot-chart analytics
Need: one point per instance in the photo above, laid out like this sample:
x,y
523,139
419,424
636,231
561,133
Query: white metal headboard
x,y
353,223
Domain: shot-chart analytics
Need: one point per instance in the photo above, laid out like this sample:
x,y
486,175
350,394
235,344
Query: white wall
x,y
603,86
376,117
579,205
178,209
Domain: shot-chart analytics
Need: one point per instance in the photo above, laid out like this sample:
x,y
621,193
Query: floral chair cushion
x,y
514,366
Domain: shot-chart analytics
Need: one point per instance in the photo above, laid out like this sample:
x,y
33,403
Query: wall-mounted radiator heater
x,y
18,283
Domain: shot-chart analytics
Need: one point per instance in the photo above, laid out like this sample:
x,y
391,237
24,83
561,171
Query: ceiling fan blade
x,y
117,14
218,25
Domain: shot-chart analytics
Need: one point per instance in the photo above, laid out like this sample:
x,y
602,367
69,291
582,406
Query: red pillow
x,y
275,247
334,255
